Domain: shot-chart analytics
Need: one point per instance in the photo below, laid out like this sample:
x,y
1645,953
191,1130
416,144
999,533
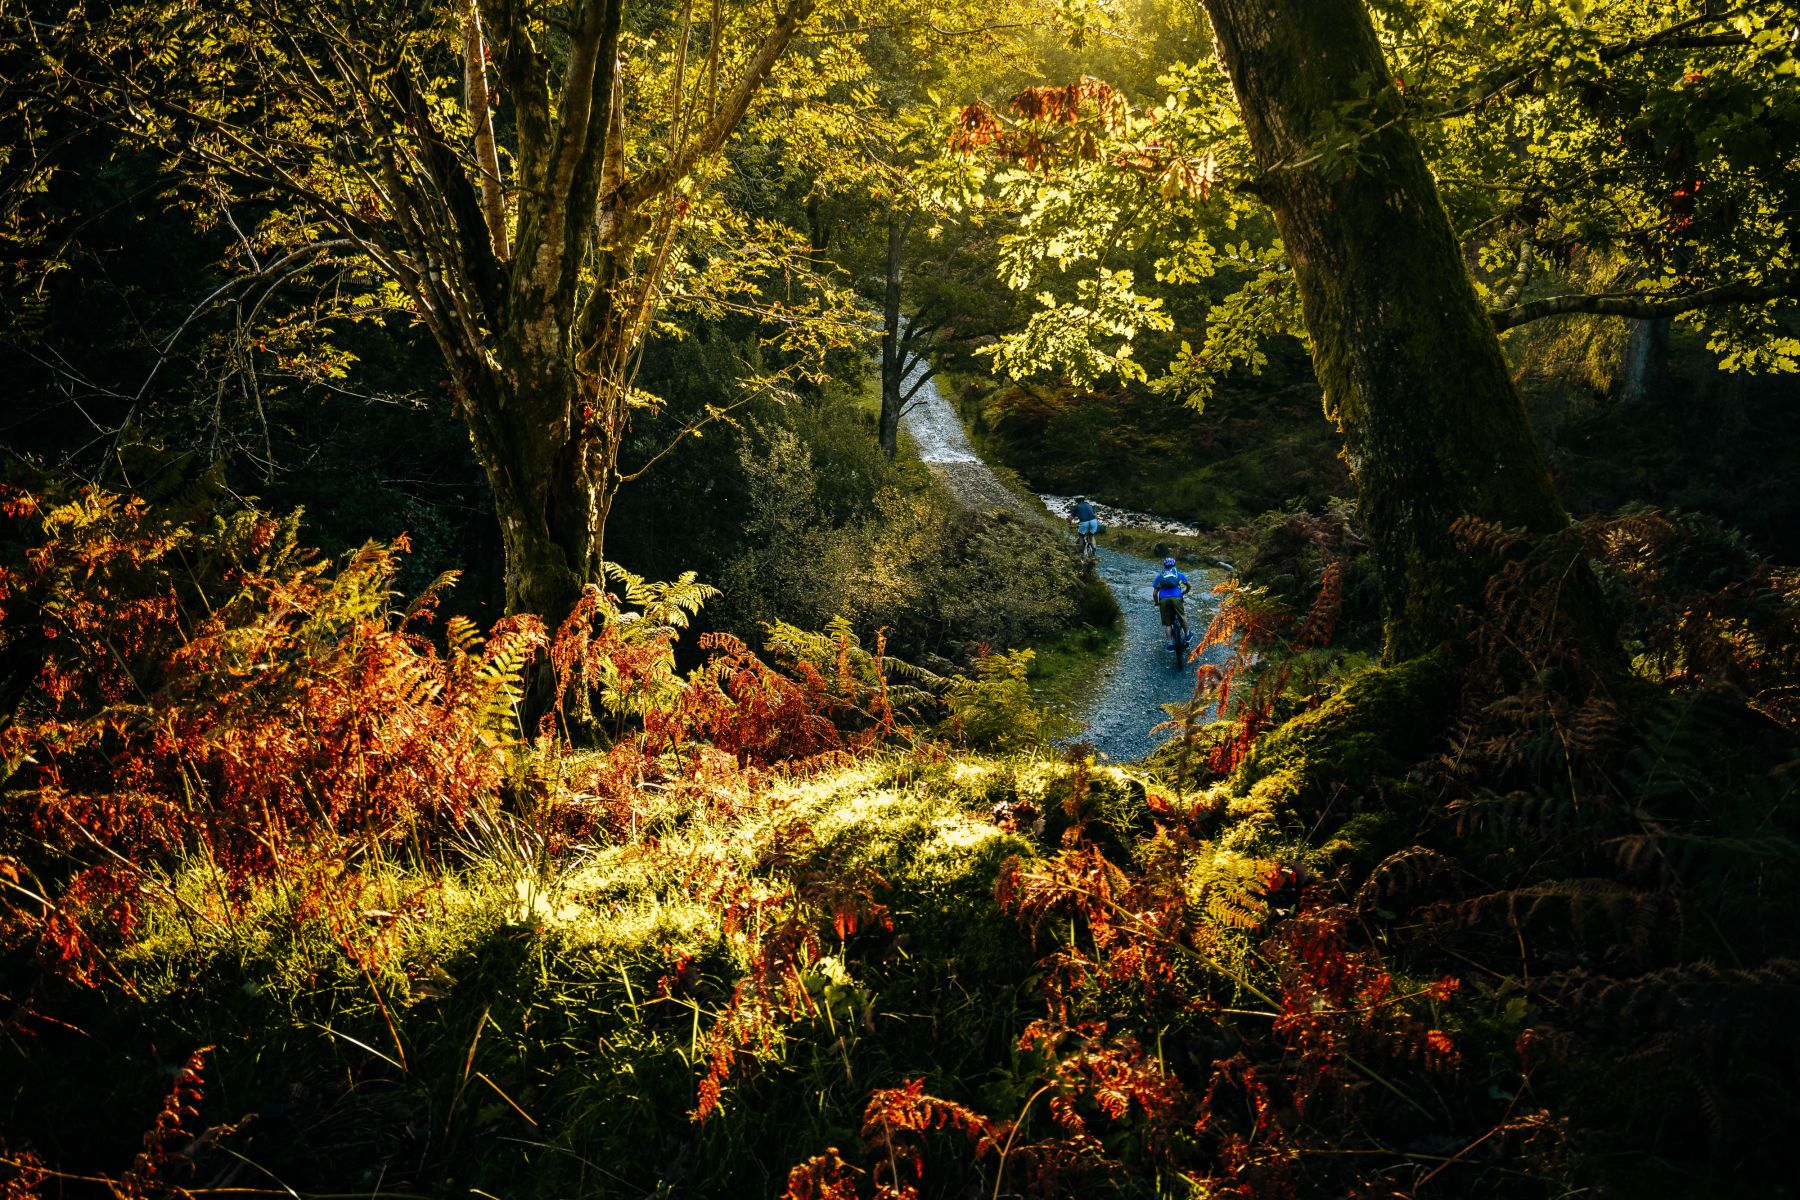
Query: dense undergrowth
x,y
297,904
885,549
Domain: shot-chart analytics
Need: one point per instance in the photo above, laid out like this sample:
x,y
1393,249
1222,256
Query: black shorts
x,y
1173,608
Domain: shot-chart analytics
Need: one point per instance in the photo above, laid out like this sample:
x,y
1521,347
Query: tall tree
x,y
1633,161
880,212
530,180
1572,144
1412,369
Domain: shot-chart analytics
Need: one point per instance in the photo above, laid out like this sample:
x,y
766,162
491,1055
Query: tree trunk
x,y
893,354
1412,369
549,500
551,533
529,431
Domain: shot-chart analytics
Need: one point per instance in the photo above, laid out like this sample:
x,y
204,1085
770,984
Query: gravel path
x,y
977,488
1142,674
945,450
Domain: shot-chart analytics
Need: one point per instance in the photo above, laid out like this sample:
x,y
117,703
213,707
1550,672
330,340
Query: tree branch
x,y
921,381
1679,36
730,111
1648,304
481,117
920,332
557,207
524,76
469,236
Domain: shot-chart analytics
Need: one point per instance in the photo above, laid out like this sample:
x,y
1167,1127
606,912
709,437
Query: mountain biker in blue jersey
x,y
1087,523
1171,589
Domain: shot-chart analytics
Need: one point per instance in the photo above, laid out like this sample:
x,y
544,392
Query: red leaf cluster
x,y
747,708
1286,1080
1265,664
195,687
168,1141
1086,121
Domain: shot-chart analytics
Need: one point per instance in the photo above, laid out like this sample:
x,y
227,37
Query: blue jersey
x,y
1170,584
1084,511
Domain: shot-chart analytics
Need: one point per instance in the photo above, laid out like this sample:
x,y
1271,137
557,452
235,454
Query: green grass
x,y
1064,672
515,1039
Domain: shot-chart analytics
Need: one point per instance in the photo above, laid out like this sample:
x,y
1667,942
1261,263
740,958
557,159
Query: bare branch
x,y
918,383
272,270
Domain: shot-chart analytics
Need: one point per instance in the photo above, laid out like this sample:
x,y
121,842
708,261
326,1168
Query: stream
x,y
1126,697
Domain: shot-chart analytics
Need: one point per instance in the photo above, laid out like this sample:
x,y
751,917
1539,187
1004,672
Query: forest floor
x,y
745,951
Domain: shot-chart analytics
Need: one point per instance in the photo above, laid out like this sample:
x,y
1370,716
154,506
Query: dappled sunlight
x,y
876,600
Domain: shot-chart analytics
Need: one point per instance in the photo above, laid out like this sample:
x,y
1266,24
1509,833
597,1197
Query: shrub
x,y
786,537
1286,553
1003,580
1699,608
191,685
909,562
995,709
194,683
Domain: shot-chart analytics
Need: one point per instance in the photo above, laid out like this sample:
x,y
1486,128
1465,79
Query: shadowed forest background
x,y
494,702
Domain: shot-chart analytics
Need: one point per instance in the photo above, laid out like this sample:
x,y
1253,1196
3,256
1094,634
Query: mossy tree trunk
x,y
552,471
1413,373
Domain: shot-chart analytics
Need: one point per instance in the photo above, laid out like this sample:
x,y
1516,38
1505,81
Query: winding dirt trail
x,y
945,449
1127,694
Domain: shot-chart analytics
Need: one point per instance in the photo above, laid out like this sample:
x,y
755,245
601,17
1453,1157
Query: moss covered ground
x,y
521,1035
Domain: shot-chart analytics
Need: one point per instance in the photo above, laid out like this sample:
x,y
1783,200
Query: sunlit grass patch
x,y
572,1006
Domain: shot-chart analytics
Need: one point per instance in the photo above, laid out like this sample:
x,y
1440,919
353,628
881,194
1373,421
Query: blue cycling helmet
x,y
1168,562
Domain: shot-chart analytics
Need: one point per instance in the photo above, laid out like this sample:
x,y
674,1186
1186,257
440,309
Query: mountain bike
x,y
1084,542
1182,636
